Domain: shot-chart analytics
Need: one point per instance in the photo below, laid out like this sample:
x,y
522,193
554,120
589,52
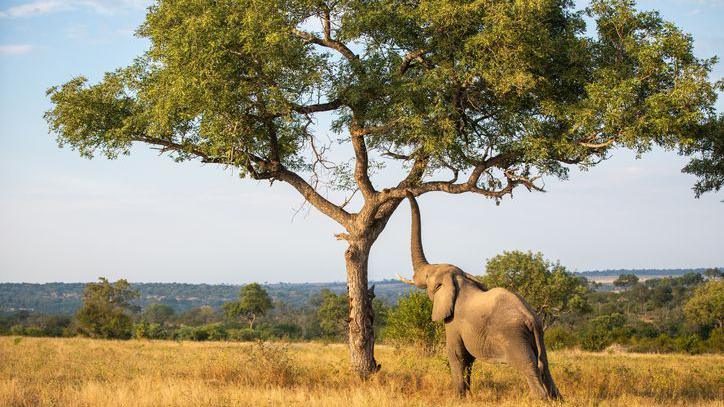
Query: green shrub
x,y
411,323
595,339
145,330
558,337
211,332
715,343
244,334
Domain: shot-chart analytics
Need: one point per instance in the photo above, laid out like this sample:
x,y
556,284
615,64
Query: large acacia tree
x,y
470,96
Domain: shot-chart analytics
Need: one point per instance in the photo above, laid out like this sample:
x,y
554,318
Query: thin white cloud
x,y
36,8
15,49
41,7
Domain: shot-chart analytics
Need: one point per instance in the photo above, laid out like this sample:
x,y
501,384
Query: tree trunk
x,y
361,334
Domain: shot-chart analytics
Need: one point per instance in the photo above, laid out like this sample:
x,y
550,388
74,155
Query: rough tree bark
x,y
361,316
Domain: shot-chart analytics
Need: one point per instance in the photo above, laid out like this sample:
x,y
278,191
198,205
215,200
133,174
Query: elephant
x,y
496,325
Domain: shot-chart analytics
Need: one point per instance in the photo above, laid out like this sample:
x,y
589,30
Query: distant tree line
x,y
673,314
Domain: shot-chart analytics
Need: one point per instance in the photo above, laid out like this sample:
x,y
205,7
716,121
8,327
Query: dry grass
x,y
84,372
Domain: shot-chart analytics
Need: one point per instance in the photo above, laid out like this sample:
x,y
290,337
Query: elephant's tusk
x,y
404,280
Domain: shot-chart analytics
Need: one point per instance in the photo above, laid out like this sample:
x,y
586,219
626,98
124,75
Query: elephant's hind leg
x,y
461,364
526,362
535,382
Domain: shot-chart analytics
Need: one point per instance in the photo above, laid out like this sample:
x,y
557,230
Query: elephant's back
x,y
504,298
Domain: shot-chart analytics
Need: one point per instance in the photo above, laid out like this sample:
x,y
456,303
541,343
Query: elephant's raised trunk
x,y
418,255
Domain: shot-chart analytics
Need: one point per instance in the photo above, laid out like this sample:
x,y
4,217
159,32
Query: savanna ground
x,y
86,372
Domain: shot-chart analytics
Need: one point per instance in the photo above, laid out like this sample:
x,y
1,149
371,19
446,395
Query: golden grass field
x,y
86,372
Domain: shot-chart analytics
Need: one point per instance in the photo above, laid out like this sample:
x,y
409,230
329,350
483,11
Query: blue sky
x,y
145,218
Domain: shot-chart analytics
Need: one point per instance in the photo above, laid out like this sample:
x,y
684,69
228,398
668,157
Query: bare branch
x,y
319,107
361,168
326,42
313,197
397,156
411,56
182,148
349,199
598,145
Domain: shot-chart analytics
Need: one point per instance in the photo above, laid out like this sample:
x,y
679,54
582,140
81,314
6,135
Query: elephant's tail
x,y
550,386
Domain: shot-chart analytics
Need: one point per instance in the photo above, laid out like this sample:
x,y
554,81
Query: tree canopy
x,y
706,306
253,301
626,280
107,309
504,91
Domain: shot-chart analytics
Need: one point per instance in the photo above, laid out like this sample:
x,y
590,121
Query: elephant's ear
x,y
443,299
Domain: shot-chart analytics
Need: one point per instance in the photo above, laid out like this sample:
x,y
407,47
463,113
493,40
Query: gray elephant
x,y
495,325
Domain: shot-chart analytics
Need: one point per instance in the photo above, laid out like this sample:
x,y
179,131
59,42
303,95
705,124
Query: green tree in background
x,y
158,314
107,309
410,322
469,97
253,301
626,281
333,312
713,273
706,306
548,287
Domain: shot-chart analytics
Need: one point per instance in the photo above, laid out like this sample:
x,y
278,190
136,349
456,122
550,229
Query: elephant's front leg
x,y
461,363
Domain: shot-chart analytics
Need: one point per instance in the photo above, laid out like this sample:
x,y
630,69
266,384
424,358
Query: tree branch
x,y
411,56
342,217
361,167
326,42
319,107
598,145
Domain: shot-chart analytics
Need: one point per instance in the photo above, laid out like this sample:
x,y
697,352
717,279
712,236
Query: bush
x,y
411,323
244,334
212,332
558,337
715,343
146,330
286,331
272,365
601,332
595,339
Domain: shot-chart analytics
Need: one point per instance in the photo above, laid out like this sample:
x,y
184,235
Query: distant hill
x,y
66,298
608,276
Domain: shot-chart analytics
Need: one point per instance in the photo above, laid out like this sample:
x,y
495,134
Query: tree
x,y
706,306
253,301
107,309
410,322
626,281
158,314
548,287
713,273
479,97
200,316
333,312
